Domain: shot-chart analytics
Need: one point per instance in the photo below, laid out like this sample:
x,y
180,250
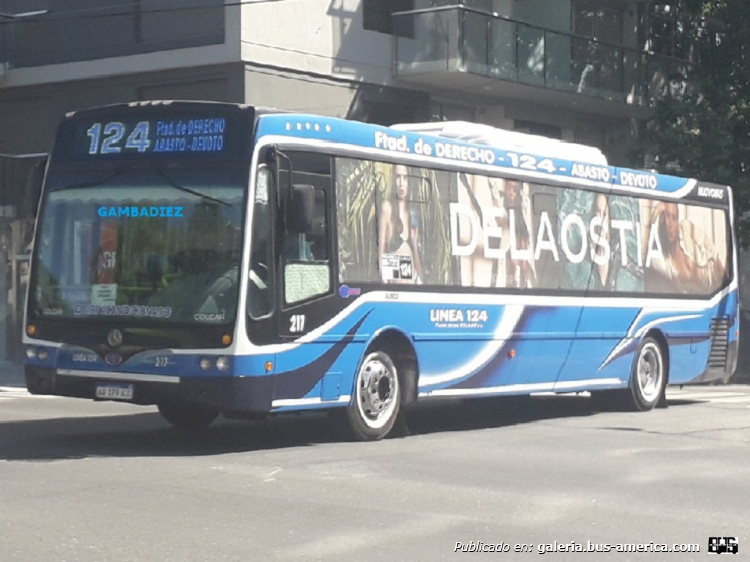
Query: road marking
x,y
704,395
13,392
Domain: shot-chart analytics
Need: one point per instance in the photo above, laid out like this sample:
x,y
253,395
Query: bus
x,y
220,259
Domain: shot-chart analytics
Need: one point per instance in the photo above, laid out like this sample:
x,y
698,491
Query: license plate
x,y
114,391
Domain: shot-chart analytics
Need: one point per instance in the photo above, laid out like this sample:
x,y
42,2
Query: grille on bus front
x,y
717,357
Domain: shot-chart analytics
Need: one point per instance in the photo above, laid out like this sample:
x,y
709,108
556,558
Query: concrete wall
x,y
298,93
333,42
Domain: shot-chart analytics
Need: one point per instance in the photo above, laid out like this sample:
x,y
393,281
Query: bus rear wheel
x,y
377,398
648,379
189,417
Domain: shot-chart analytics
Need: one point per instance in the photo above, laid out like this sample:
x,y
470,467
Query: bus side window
x,y
261,289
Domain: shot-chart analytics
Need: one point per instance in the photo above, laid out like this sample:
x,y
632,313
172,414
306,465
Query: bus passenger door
x,y
290,271
305,370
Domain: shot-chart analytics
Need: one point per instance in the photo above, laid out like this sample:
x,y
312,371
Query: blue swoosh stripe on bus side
x,y
464,366
649,319
491,373
504,365
492,368
299,382
494,365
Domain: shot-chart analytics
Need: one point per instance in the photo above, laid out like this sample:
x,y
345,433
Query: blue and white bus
x,y
223,259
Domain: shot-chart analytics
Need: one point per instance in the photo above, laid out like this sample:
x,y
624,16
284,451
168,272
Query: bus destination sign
x,y
168,131
169,135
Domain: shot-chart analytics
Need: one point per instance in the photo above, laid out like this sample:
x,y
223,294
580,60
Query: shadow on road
x,y
146,434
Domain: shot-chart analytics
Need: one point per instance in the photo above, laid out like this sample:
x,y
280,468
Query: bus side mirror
x,y
299,211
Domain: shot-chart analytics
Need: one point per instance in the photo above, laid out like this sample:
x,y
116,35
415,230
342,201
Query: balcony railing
x,y
457,39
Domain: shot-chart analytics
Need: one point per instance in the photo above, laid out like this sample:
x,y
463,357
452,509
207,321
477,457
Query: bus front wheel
x,y
187,416
648,378
377,398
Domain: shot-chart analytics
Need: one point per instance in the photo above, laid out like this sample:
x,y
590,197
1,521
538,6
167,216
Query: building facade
x,y
579,70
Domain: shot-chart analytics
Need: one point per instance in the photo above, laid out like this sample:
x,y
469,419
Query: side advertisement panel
x,y
402,224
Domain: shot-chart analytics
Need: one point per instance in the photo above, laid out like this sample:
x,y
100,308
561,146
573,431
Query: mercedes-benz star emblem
x,y
114,338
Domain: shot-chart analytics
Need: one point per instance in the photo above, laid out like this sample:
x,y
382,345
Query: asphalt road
x,y
85,481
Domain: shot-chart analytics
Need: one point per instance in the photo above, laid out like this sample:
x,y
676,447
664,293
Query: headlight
x,y
222,363
42,354
30,353
205,363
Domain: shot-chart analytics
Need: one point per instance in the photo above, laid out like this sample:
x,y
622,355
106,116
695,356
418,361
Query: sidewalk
x,y
11,374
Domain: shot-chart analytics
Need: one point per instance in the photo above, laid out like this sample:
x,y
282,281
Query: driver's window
x,y
261,288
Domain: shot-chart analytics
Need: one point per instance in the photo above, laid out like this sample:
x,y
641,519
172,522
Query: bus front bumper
x,y
227,394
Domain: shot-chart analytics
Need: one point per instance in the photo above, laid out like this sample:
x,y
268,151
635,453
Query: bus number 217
x,y
297,323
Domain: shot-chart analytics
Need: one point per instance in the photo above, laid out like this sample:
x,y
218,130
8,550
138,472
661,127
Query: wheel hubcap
x,y
376,388
649,373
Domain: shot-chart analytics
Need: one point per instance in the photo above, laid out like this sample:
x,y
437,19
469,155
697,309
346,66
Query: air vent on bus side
x,y
717,357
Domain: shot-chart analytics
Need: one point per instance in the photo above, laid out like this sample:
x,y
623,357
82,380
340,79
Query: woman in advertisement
x,y
494,232
520,272
399,242
613,266
690,261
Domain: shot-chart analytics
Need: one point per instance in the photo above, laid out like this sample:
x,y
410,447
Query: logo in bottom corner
x,y
720,545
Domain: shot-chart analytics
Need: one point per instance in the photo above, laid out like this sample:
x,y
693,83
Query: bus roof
x,y
504,139
460,146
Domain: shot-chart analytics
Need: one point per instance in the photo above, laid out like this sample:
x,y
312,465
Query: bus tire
x,y
376,402
648,378
189,417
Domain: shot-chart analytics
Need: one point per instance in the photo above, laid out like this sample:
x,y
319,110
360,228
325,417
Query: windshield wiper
x,y
96,183
184,189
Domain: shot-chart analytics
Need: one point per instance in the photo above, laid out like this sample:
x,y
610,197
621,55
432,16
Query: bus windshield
x,y
158,243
